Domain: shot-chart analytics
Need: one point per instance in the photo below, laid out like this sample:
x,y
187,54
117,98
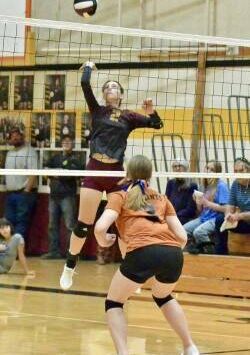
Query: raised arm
x,y
86,87
151,118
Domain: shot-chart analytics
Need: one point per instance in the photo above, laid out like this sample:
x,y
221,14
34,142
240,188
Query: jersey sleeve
x,y
115,202
137,120
169,209
87,89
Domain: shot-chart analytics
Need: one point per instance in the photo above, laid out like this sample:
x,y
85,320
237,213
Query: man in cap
x,y
21,190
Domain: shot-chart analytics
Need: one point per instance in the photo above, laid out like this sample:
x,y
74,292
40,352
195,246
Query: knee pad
x,y
161,301
112,304
81,229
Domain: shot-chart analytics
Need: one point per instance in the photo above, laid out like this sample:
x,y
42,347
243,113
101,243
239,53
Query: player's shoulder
x,y
121,194
152,192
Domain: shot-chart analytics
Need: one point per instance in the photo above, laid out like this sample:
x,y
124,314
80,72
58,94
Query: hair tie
x,y
141,184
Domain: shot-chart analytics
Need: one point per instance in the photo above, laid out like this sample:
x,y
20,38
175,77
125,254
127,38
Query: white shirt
x,y
20,158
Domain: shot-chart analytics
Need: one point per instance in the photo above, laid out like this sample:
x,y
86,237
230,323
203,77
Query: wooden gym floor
x,y
36,317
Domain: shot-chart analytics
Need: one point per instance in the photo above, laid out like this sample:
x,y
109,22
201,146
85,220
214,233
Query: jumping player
x,y
111,127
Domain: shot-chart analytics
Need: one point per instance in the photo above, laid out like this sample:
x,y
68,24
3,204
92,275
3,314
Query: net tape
x,y
63,172
73,26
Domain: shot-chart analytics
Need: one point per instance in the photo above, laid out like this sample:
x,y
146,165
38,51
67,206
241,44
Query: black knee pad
x,y
161,301
112,304
81,229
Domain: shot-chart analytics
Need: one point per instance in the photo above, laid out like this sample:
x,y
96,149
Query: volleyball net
x,y
199,86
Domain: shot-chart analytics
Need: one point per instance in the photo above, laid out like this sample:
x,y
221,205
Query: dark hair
x,y
4,223
243,160
67,136
16,129
108,81
217,165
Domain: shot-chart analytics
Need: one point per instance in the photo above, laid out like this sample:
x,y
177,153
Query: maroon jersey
x,y
110,136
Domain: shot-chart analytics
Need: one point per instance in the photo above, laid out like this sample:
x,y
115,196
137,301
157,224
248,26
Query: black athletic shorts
x,y
162,261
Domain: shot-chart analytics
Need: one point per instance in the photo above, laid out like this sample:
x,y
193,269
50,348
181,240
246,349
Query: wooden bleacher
x,y
239,244
214,275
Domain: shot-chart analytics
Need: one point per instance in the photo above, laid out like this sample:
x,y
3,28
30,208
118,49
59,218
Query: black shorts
x,y
162,261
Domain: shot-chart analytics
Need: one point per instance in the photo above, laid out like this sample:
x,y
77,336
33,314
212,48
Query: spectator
x,y
238,209
62,199
180,192
21,190
11,246
210,205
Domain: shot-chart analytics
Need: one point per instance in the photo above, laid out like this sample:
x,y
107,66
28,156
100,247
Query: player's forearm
x,y
155,121
244,216
86,75
87,90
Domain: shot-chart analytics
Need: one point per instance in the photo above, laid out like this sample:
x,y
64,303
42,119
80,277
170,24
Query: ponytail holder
x,y
141,184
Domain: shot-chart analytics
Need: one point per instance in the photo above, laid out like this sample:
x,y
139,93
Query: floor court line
x,y
227,351
104,323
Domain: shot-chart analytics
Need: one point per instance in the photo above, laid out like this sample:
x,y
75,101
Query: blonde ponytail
x,y
136,200
139,171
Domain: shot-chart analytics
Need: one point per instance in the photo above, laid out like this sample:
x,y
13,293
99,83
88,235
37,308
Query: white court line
x,y
129,325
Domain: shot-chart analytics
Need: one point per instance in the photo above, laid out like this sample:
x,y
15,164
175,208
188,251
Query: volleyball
x,y
85,8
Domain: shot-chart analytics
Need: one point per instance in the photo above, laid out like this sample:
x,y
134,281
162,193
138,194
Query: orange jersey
x,y
135,228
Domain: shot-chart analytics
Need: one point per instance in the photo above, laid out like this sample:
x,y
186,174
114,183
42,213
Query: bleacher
x,y
214,275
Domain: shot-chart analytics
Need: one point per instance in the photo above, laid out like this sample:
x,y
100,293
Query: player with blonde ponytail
x,y
154,238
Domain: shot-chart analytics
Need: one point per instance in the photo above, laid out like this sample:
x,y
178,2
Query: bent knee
x,y
162,301
81,229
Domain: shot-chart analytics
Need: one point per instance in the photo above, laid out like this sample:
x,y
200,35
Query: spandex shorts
x,y
162,261
102,183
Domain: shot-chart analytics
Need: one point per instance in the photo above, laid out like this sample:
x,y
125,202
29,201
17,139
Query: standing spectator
x,y
210,205
62,199
238,209
180,192
21,190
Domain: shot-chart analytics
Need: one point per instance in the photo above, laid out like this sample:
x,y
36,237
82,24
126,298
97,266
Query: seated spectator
x,y
210,204
238,209
180,193
11,246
